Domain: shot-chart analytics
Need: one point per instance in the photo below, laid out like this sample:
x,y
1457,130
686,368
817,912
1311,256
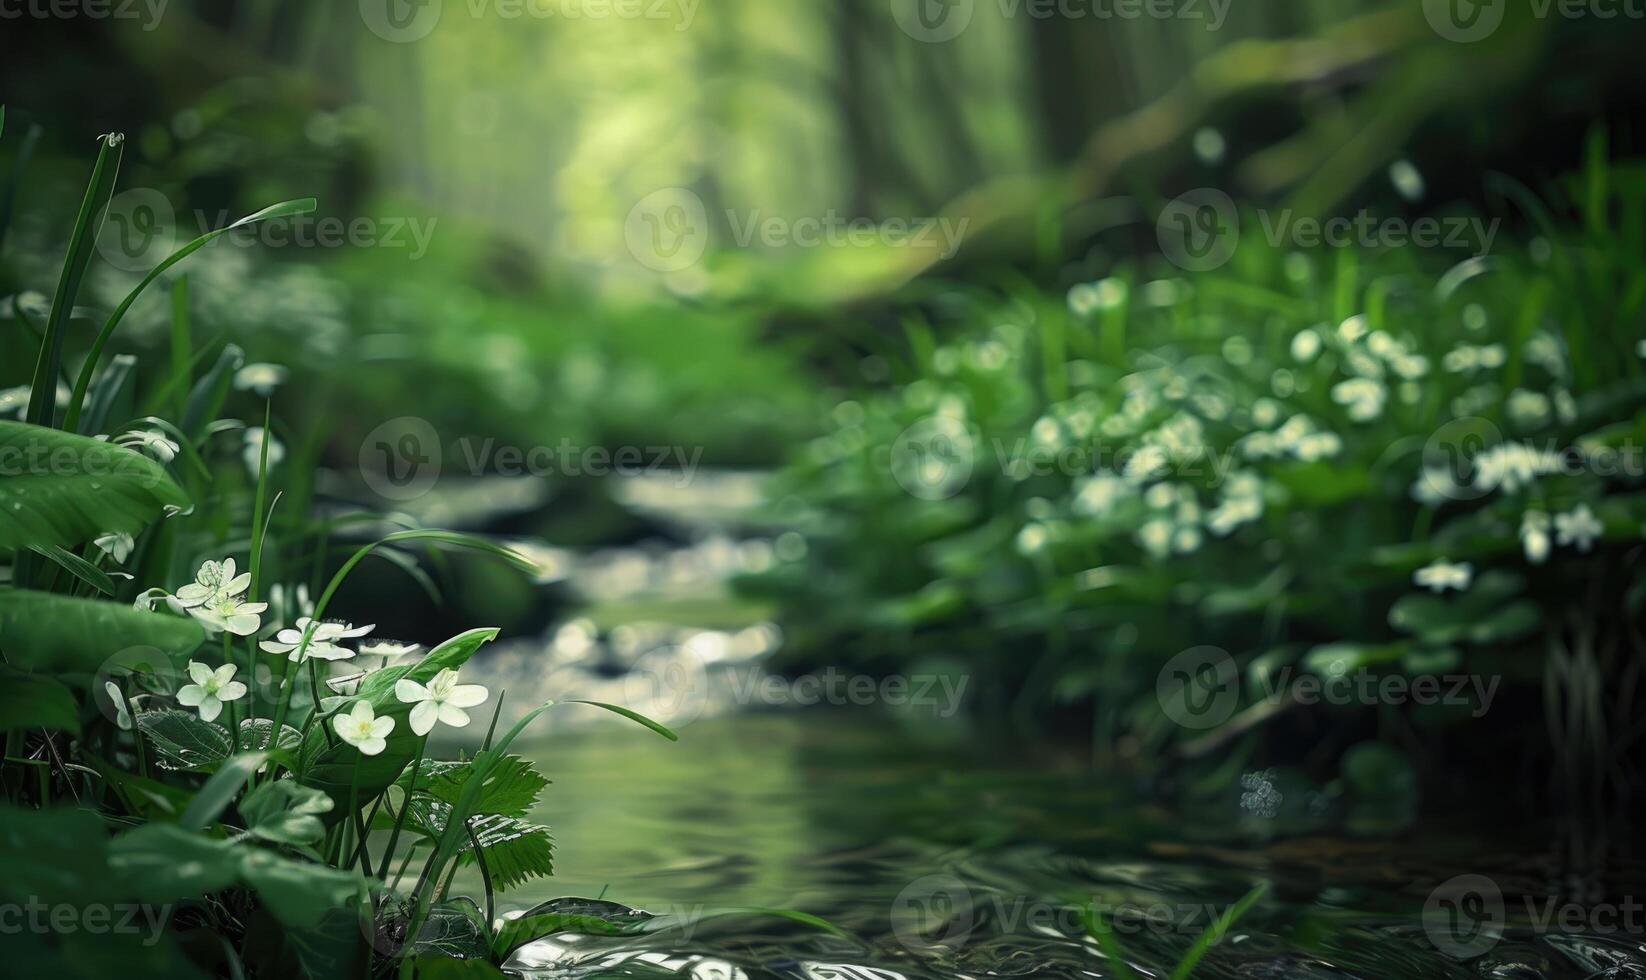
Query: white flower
x,y
116,544
1305,346
443,700
252,452
1578,526
1534,536
1352,329
1156,537
1435,487
1363,396
214,581
122,717
260,378
1442,575
211,688
323,643
152,441
227,612
362,728
1513,465
1098,495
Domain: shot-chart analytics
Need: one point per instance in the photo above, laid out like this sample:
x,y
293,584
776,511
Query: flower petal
x,y
423,717
232,691
382,727
210,708
410,691
199,672
454,716
225,673
467,695
190,695
371,746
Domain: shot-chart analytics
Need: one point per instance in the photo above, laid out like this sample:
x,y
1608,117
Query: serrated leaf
x,y
510,789
183,742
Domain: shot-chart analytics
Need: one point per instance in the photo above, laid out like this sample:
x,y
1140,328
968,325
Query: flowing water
x,y
864,843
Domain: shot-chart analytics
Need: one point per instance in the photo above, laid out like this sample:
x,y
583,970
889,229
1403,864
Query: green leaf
x,y
630,714
1214,932
515,850
300,894
208,394
220,790
52,855
184,742
80,568
65,489
166,863
65,634
77,398
93,207
286,812
510,789
528,928
31,701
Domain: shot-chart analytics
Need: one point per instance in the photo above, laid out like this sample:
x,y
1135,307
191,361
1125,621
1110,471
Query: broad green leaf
x,y
166,863
299,893
220,790
54,854
64,634
286,812
32,701
183,742
528,928
65,489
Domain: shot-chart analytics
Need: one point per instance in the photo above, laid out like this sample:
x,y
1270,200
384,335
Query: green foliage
x,y
62,489
74,636
285,812
183,742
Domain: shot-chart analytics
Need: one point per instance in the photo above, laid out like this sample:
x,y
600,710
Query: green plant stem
x,y
351,817
400,818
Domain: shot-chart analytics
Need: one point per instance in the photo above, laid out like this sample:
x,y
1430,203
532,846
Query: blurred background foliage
x,y
1053,143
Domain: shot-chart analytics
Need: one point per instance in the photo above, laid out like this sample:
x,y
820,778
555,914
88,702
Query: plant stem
x,y
234,726
400,818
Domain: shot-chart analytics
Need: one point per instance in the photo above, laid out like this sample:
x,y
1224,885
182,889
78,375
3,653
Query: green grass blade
x,y
1212,933
259,519
632,715
182,356
80,568
1110,946
93,207
14,178
284,209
